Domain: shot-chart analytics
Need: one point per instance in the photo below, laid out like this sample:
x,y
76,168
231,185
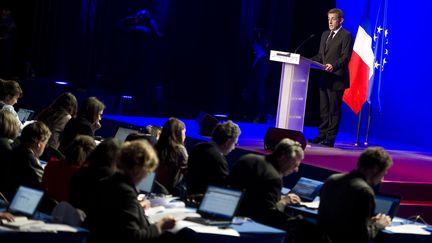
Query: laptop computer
x,y
123,132
146,185
387,204
25,202
218,206
307,189
25,114
24,205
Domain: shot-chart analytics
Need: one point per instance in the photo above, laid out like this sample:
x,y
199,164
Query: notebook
x,y
24,205
26,201
146,185
218,206
123,132
387,204
24,114
307,189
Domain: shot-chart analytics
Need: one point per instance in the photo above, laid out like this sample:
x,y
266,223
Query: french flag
x,y
369,57
361,68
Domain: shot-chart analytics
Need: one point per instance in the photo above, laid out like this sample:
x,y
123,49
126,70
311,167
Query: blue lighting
x,y
127,97
61,82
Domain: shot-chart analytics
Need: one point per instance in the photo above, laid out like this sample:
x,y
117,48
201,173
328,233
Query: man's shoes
x,y
316,140
328,143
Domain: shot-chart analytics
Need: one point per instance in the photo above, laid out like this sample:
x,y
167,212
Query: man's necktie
x,y
330,37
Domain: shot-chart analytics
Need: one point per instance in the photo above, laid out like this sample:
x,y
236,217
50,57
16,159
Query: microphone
x,y
306,40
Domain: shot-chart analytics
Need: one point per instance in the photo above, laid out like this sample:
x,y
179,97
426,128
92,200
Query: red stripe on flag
x,y
356,94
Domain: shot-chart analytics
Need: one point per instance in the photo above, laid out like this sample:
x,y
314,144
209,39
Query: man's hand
x,y
291,198
328,68
382,220
166,223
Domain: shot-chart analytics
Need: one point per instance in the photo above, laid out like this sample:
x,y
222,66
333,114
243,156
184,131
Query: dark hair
x,y
9,88
337,11
375,158
35,132
170,138
224,131
286,147
76,153
9,127
63,105
91,109
106,154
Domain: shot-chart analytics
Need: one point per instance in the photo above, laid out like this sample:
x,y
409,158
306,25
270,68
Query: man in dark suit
x,y
347,202
207,164
261,179
334,52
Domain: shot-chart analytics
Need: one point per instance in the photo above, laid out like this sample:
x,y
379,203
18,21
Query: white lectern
x,y
293,88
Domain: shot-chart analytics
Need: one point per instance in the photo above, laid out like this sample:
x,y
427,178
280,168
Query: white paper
x,y
177,213
214,230
408,229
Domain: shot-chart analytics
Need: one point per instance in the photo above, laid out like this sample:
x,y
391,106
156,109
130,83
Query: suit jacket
x,y
262,185
206,165
346,207
115,215
337,52
23,168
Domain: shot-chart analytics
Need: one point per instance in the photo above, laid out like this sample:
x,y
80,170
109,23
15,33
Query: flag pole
x,y
358,129
366,143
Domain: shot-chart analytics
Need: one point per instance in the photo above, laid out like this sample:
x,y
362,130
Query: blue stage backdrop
x,y
406,86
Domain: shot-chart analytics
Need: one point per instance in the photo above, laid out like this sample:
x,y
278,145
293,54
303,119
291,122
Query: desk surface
x,y
249,232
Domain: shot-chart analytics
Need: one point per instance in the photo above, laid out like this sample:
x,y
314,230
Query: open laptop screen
x,y
220,202
25,201
123,132
387,204
146,185
307,189
24,114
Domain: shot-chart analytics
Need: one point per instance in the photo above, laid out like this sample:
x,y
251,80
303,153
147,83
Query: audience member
x,y
100,163
10,92
261,179
9,130
56,115
24,167
207,164
137,136
347,205
173,156
57,174
115,213
154,130
86,122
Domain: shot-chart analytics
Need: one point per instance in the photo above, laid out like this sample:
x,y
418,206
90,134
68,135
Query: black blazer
x,y
115,215
338,53
206,165
262,185
346,207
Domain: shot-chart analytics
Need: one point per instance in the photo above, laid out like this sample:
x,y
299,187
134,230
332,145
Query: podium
x,y
293,88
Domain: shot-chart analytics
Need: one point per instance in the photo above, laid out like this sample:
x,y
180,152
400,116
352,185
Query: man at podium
x,y
335,53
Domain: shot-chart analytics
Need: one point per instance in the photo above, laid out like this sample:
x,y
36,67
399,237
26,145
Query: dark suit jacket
x,y
115,214
262,186
23,169
346,206
206,165
337,53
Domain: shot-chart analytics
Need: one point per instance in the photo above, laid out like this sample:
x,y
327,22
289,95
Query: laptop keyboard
x,y
205,221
